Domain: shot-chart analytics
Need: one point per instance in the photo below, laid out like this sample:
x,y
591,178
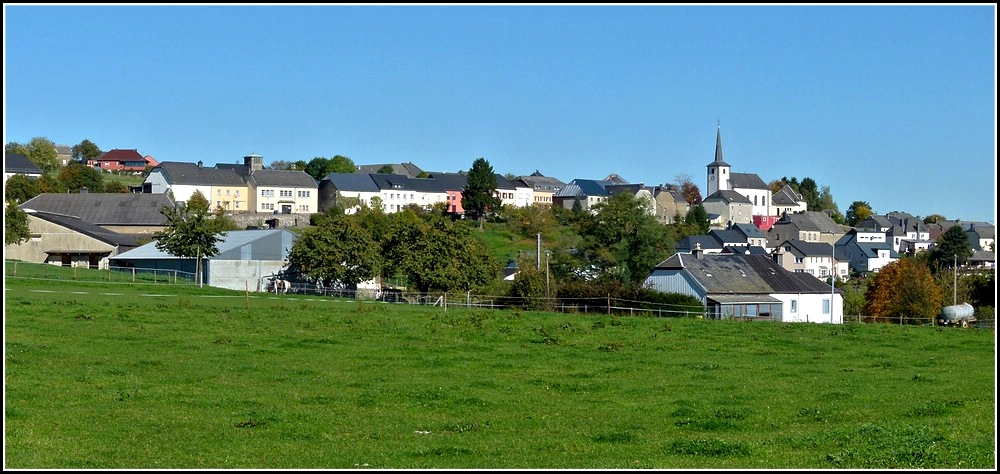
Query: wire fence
x,y
15,269
597,306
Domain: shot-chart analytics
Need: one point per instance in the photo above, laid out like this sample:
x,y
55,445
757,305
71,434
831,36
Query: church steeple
x,y
718,170
718,144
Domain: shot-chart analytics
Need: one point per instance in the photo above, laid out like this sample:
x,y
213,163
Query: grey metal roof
x,y
811,221
392,181
178,172
403,169
451,181
707,242
630,188
105,208
786,196
542,183
809,249
750,231
739,274
728,196
728,236
746,181
582,187
18,163
282,178
85,228
354,182
233,239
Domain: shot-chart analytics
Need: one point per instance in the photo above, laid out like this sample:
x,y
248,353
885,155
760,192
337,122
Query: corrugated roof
x,y
233,239
105,208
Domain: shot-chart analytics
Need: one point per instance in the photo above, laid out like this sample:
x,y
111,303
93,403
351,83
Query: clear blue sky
x,y
892,105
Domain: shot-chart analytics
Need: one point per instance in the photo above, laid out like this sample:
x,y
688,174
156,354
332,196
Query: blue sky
x,y
892,105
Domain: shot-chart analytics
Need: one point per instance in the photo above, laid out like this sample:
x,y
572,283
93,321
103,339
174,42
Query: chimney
x,y
697,251
84,190
199,164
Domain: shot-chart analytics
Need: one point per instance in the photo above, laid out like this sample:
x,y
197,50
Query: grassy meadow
x,y
108,375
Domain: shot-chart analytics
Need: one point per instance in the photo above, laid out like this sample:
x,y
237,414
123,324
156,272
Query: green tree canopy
x,y
189,233
339,249
280,165
76,176
386,169
20,188
698,216
810,193
631,239
341,164
934,219
15,225
48,183
15,147
858,212
42,152
317,168
479,197
85,150
437,255
950,247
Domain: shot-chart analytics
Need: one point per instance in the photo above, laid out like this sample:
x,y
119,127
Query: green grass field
x,y
109,375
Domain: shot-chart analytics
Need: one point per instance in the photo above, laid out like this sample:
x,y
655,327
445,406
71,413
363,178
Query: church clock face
x,y
711,178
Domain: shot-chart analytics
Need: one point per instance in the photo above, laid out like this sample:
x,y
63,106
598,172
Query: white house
x,y
733,285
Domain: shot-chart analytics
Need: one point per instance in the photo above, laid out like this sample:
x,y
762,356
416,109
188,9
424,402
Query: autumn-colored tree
x,y
903,292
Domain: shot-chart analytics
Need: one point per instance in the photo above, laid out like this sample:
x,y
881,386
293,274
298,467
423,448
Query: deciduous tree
x,y
858,212
437,255
341,164
903,292
15,225
338,249
189,233
20,188
85,150
42,152
633,239
76,176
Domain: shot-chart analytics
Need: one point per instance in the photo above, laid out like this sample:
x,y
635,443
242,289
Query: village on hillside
x,y
765,254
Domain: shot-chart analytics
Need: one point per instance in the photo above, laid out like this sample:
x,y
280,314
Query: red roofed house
x,y
122,160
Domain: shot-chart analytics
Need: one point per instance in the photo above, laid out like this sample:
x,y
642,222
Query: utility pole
x,y
538,253
833,276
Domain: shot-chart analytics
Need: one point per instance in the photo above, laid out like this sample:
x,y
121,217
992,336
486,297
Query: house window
x,y
794,306
303,194
826,306
798,259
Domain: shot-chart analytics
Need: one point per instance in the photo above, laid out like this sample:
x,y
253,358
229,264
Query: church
x,y
741,198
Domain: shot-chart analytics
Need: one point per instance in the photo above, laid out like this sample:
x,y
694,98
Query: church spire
x,y
718,144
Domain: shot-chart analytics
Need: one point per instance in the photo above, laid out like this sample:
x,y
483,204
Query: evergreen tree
x,y
479,197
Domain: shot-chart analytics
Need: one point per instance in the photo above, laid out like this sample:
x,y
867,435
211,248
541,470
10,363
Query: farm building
x,y
245,260
59,239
